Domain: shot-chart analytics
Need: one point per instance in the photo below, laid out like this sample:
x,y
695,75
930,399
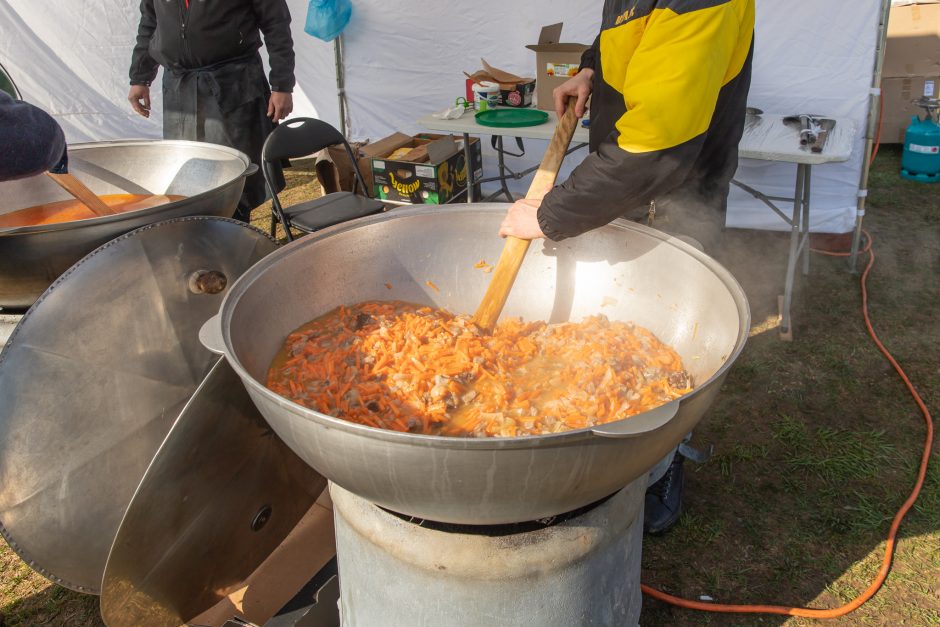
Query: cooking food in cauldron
x,y
71,210
413,368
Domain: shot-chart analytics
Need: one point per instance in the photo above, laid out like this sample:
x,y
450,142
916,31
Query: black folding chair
x,y
297,138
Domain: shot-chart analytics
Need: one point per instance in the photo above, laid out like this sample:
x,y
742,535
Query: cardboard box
x,y
335,172
375,149
555,63
476,157
897,94
913,46
519,96
514,91
436,181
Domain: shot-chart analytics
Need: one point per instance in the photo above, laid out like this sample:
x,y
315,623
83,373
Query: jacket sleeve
x,y
670,90
32,140
143,66
589,57
274,21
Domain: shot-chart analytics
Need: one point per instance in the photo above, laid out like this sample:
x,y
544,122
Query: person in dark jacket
x,y
31,141
668,81
214,88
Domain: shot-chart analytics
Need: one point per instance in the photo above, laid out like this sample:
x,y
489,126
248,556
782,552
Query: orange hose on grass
x,y
854,604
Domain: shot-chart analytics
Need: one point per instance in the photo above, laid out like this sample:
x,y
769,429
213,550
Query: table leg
x,y
466,156
807,177
856,241
502,170
786,332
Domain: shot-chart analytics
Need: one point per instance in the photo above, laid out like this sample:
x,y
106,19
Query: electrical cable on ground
x,y
876,584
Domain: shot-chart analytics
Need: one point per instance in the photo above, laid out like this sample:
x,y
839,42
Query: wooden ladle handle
x,y
78,189
514,250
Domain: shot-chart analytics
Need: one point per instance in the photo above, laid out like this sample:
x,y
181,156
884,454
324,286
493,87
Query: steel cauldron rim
x,y
250,168
220,324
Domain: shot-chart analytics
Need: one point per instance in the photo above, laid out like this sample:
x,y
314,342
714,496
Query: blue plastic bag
x,y
326,19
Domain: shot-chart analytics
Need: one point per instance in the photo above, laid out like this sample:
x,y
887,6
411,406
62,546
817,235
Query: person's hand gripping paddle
x,y
514,249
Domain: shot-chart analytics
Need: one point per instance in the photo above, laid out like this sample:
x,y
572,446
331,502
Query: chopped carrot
x,y
394,365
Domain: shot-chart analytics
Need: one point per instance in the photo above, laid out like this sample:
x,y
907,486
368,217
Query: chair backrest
x,y
299,137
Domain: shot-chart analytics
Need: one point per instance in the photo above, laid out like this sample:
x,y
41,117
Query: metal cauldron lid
x,y
219,496
93,378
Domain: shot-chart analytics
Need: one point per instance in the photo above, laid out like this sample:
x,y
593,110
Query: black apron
x,y
225,104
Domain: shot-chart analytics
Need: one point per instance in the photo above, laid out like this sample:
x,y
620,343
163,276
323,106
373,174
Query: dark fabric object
x,y
612,182
31,141
223,104
590,56
212,32
663,500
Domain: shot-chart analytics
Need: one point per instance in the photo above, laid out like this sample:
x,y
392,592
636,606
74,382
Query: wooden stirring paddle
x,y
78,189
514,249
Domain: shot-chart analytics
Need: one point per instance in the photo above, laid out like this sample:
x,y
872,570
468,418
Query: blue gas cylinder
x,y
920,160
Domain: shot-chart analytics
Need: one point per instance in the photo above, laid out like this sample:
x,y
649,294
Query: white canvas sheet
x,y
405,59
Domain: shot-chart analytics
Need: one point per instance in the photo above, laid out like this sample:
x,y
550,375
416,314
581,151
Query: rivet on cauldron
x,y
261,518
207,282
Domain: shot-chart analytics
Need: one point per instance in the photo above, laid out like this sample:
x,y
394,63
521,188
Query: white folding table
x,y
766,137
467,125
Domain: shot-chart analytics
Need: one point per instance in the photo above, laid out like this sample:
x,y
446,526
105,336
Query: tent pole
x,y
341,84
874,108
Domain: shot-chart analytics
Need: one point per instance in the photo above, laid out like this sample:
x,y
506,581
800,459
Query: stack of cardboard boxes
x,y
912,64
555,62
423,169
420,169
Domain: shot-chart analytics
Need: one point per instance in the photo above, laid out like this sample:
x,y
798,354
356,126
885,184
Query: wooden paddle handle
x,y
514,250
76,188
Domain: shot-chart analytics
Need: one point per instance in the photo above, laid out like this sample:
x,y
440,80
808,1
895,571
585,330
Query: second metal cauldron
x,y
210,176
624,270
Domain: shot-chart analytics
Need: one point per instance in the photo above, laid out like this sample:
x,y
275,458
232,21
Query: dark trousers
x,y
223,104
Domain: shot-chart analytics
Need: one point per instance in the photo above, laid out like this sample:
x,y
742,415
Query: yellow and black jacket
x,y
667,109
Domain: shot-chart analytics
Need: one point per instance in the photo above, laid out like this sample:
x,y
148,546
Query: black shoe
x,y
664,499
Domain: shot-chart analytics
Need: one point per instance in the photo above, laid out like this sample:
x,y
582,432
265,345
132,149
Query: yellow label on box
x,y
561,69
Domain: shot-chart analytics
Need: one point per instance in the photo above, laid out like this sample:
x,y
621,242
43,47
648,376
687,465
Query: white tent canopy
x,y
404,59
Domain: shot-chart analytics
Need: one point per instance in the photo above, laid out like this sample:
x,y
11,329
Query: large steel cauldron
x,y
624,270
210,176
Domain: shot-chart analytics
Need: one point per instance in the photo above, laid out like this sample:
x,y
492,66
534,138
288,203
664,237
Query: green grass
x,y
816,443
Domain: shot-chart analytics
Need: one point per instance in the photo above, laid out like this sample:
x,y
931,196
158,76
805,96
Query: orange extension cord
x,y
892,533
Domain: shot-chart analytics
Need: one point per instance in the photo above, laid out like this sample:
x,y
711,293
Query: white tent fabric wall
x,y
72,58
810,57
405,59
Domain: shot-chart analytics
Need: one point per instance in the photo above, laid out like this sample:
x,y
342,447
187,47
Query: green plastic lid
x,y
511,117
